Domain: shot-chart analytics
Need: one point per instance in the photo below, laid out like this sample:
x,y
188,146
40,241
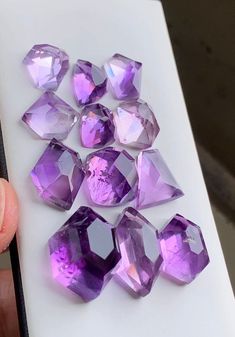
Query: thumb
x,y
9,213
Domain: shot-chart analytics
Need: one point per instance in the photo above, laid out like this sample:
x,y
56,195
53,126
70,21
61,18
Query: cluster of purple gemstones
x,y
87,250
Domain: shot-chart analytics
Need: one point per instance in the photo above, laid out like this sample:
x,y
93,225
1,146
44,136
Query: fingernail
x,y
2,203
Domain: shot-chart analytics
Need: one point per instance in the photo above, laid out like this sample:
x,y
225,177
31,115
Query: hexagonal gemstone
x,y
47,66
124,77
141,259
111,177
156,183
183,250
135,124
58,175
89,82
96,126
83,253
50,117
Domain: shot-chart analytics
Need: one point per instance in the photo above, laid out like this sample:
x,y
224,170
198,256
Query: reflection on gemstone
x,y
135,124
111,177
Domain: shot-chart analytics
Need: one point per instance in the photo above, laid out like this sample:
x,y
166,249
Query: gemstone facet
x,y
135,124
58,175
156,184
111,177
183,250
50,117
47,66
89,82
83,253
141,259
124,77
96,126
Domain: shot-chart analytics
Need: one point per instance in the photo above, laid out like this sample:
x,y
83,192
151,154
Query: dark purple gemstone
x,y
58,175
89,82
83,253
96,126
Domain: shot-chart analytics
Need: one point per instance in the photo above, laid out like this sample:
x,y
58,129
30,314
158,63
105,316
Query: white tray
x,y
94,30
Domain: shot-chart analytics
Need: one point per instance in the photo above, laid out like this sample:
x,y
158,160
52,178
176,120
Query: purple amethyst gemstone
x,y
183,250
111,177
135,124
50,117
156,183
124,77
96,126
141,259
58,175
47,66
89,82
83,253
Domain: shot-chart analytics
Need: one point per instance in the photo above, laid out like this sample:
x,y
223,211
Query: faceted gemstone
x,y
135,124
50,117
83,253
96,126
124,77
111,177
141,259
47,66
183,250
58,175
89,82
156,184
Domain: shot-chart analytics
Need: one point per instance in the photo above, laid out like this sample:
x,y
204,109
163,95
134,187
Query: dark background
x,y
203,38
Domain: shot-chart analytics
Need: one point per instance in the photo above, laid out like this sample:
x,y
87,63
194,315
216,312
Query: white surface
x,y
94,30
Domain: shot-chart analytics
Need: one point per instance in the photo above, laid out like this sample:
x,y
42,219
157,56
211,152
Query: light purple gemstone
x,y
156,184
58,175
183,250
135,124
47,66
83,253
141,259
96,126
124,77
50,117
111,177
89,82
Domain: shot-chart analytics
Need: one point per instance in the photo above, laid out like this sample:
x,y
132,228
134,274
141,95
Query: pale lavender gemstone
x,y
96,126
183,250
111,177
50,117
135,124
141,258
58,175
156,183
124,77
89,82
46,65
83,253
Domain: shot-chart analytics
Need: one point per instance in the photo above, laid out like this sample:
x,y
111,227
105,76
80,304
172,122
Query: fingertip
x,y
9,213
